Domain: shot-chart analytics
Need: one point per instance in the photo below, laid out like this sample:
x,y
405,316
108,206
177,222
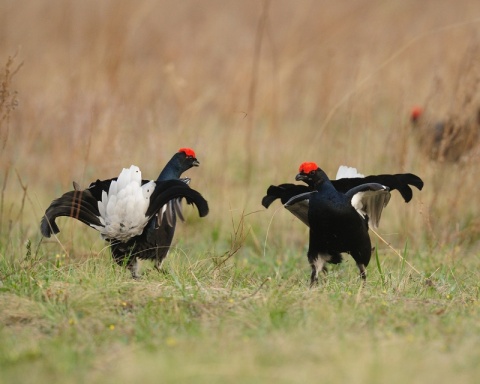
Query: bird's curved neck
x,y
172,170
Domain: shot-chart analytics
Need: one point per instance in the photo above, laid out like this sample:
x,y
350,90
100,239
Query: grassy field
x,y
256,88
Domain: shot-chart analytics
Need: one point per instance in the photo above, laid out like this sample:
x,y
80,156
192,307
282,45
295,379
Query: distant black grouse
x,y
449,139
136,216
339,212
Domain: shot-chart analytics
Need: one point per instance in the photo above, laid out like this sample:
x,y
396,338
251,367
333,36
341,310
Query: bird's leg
x,y
317,264
158,265
313,276
312,259
160,256
324,257
363,271
133,268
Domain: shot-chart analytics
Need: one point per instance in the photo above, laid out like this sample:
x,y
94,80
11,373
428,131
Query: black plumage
x,y
164,206
339,214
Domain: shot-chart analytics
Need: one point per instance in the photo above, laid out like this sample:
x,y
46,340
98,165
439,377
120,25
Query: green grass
x,y
250,319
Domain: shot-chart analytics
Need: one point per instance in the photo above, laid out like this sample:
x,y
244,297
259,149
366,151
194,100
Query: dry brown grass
x,y
108,84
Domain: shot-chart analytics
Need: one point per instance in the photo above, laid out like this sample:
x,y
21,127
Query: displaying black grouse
x,y
339,219
136,216
154,242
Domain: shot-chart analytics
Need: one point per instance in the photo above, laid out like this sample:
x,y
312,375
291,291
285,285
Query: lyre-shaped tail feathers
x,y
80,205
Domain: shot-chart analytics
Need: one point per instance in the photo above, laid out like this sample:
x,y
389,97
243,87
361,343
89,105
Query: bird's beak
x,y
196,163
301,177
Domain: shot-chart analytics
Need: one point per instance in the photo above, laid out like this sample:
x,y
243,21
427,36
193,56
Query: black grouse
x,y
154,242
339,219
445,140
136,216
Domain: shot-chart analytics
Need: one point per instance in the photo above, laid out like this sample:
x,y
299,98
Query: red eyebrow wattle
x,y
187,151
307,167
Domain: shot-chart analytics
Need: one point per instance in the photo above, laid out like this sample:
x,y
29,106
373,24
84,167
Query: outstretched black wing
x,y
401,182
174,189
83,205
298,205
284,192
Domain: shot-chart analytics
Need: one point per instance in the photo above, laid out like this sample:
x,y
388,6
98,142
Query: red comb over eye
x,y
307,167
187,151
416,112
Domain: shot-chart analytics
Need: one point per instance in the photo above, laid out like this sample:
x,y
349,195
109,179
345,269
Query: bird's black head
x,y
311,174
187,158
182,161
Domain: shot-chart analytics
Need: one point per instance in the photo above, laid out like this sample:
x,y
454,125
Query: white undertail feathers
x,y
345,172
123,208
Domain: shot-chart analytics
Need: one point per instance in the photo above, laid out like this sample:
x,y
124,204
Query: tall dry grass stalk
x,y
249,142
8,103
8,97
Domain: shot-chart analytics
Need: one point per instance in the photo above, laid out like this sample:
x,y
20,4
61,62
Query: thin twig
x,y
268,231
237,240
253,87
2,197
24,188
394,250
257,290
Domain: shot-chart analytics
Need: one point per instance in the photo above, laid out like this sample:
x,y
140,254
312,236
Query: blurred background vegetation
x,y
255,88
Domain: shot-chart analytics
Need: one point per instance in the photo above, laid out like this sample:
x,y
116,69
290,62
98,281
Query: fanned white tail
x,y
123,208
345,172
